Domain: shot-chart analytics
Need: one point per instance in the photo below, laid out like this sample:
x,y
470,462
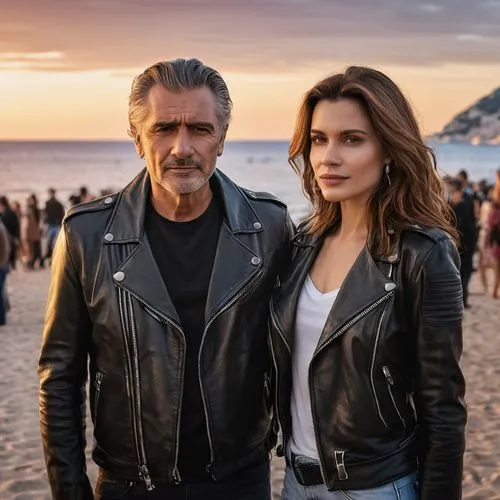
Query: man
x,y
54,215
165,287
469,192
463,208
13,226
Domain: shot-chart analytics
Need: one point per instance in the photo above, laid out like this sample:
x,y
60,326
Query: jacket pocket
x,y
389,381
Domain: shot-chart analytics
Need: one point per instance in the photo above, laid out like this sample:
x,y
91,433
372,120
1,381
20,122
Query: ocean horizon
x,y
32,166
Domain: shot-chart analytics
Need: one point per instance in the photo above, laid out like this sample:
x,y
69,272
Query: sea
x,y
32,167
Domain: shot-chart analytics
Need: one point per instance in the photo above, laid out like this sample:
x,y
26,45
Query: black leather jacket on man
x,y
390,349
108,301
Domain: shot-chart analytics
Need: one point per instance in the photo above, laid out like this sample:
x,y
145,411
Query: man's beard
x,y
189,183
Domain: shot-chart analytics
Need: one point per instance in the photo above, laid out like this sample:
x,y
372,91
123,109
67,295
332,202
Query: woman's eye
x,y
317,139
352,140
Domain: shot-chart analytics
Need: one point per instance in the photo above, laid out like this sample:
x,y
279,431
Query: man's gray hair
x,y
178,75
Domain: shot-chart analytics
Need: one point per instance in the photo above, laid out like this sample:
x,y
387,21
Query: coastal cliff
x,y
478,124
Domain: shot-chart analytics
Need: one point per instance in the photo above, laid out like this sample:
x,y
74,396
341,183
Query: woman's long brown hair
x,y
415,195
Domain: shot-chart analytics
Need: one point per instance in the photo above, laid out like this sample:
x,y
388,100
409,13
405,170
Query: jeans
x,y
250,484
52,234
405,488
3,312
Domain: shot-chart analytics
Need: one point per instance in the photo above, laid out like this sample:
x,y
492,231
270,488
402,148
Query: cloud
x,y
259,35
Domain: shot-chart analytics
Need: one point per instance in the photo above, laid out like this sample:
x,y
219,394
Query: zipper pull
x,y
210,470
176,475
387,374
98,381
144,475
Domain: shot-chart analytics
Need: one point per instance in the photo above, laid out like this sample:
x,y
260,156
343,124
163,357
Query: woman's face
x,y
346,155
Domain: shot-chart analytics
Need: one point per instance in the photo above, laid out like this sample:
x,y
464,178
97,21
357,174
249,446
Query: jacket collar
x,y
127,221
304,240
366,283
236,264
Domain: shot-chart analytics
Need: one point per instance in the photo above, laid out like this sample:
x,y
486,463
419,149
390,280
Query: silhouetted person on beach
x,y
53,217
4,269
463,207
13,225
33,233
165,288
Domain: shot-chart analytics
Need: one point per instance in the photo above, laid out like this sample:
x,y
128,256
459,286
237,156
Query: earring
x,y
387,171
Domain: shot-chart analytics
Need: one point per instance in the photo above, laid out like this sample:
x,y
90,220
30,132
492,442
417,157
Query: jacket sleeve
x,y
62,373
439,383
285,263
287,250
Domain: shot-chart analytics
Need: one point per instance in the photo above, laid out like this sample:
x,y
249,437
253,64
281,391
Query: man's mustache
x,y
186,162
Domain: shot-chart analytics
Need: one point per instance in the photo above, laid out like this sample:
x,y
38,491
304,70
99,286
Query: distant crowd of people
x,y
477,212
476,207
27,236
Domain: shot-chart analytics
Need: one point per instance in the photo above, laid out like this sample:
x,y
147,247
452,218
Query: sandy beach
x,y
22,469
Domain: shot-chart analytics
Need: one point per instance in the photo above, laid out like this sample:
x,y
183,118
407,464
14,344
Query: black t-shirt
x,y
185,253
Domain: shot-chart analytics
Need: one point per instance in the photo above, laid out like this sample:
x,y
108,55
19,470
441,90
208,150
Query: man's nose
x,y
182,146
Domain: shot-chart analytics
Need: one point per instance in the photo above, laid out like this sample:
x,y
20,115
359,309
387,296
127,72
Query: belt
x,y
307,471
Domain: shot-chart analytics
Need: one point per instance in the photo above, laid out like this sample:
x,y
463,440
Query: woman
x,y
493,235
367,327
33,234
483,246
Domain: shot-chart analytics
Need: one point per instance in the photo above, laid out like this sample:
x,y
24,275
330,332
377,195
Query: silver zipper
x,y
339,332
275,362
390,384
372,379
276,405
161,318
143,469
359,316
98,383
129,328
275,323
249,286
266,386
129,369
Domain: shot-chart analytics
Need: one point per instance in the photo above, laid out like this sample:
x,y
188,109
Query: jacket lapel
x,y
362,287
142,278
138,273
236,267
284,302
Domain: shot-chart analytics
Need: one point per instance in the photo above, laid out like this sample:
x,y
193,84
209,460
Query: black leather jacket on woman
x,y
108,301
389,351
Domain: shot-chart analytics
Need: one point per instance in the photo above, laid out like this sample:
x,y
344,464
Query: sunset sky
x,y
66,65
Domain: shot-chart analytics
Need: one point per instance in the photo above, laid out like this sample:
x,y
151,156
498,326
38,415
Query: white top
x,y
312,312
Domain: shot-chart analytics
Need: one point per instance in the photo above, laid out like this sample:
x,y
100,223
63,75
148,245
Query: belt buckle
x,y
302,470
297,470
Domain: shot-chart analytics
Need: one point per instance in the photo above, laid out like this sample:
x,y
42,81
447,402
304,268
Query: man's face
x,y
180,138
